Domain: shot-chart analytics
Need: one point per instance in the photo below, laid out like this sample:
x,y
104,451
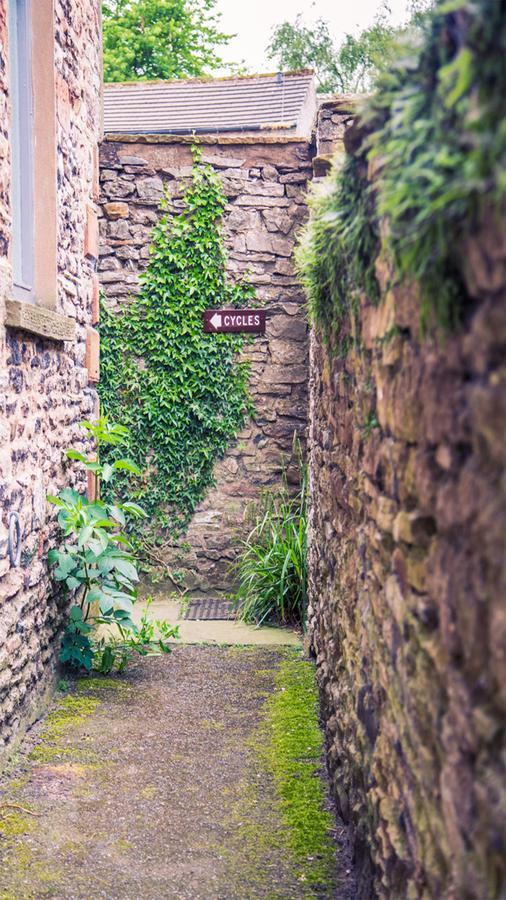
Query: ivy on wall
x,y
182,394
435,134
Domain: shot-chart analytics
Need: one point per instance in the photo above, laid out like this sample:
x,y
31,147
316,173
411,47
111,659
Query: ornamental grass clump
x,y
272,565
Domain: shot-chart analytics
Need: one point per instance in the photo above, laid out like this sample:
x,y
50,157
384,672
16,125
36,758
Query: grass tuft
x,y
272,565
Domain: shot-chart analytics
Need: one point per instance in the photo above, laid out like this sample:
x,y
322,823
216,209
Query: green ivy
x,y
182,394
435,133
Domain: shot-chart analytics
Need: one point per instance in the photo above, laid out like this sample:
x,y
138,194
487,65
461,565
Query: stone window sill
x,y
38,320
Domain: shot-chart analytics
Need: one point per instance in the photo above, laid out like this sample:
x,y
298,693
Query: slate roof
x,y
285,102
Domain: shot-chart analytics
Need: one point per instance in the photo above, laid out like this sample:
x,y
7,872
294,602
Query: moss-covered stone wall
x,y
408,582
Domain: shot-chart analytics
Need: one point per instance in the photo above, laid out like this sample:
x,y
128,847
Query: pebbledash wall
x,y
45,382
265,181
408,584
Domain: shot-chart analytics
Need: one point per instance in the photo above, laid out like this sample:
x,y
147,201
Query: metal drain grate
x,y
209,609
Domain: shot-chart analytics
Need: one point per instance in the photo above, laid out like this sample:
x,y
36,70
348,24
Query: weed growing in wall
x,y
336,253
435,134
182,394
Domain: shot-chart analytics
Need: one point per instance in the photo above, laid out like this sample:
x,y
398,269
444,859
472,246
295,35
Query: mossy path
x,y
193,776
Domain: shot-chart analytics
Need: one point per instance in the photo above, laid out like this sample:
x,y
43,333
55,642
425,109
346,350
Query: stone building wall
x,y
45,388
265,182
408,585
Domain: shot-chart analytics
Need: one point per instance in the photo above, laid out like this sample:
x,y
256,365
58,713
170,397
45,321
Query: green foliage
x,y
360,58
181,393
439,130
97,567
336,251
294,46
149,39
435,133
272,565
149,638
371,422
351,66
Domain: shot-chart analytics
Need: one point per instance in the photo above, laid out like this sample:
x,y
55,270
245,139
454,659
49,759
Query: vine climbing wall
x,y
264,181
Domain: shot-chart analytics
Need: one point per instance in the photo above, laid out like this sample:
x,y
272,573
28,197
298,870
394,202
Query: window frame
x,y
36,243
22,174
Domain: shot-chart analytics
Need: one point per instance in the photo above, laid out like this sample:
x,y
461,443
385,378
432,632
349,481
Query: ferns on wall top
x,y
436,132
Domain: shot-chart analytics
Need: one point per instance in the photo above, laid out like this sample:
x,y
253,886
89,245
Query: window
x,y
33,151
21,148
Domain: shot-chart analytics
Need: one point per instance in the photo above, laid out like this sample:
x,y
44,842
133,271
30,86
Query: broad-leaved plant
x,y
98,568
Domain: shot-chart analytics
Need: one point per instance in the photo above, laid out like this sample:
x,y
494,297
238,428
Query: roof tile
x,y
259,102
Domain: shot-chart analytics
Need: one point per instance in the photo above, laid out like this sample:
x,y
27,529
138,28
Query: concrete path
x,y
219,631
193,776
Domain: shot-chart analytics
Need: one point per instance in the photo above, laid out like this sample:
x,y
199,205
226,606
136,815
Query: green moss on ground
x,y
24,863
96,684
289,745
271,833
72,710
14,823
292,753
70,713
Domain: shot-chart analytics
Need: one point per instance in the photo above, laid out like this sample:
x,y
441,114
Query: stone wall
x,y
45,388
333,117
408,585
265,183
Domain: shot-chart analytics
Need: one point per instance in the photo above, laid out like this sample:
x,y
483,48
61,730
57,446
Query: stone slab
x,y
38,320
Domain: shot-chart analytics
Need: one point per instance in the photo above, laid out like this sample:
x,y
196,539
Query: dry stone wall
x,y
265,183
333,117
408,584
45,388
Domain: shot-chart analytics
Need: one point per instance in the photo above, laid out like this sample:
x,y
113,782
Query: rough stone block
x,y
265,243
116,210
91,232
93,354
150,189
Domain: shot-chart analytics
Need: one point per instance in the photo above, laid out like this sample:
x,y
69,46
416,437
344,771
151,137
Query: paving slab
x,y
224,631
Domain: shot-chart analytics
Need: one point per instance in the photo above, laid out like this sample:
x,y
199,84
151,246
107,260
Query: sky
x,y
253,22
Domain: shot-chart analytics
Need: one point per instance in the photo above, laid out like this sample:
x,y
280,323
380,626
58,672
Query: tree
x,y
349,66
147,39
295,46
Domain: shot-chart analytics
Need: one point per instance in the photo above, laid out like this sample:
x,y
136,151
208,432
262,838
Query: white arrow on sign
x,y
215,321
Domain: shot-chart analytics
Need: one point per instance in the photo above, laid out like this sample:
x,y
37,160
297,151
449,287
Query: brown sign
x,y
218,321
